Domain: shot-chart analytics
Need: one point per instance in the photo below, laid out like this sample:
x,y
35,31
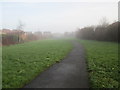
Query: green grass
x,y
102,60
23,62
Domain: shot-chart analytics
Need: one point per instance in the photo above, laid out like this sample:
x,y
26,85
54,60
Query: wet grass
x,y
23,62
103,66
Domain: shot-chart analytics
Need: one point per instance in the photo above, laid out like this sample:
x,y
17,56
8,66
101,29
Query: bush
x,y
100,33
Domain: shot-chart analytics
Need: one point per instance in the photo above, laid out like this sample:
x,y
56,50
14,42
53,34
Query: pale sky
x,y
56,16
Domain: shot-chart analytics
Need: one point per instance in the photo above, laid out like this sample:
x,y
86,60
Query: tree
x,y
20,27
103,22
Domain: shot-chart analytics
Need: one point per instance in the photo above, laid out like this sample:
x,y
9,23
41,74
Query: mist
x,y
59,44
56,17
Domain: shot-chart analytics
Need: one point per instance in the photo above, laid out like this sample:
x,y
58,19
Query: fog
x,y
56,17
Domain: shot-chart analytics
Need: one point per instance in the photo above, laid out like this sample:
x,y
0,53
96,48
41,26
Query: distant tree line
x,y
9,37
18,35
103,32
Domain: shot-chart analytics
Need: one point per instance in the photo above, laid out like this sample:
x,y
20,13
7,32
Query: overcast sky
x,y
56,16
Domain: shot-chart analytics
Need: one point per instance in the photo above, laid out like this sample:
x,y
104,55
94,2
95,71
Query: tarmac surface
x,y
71,72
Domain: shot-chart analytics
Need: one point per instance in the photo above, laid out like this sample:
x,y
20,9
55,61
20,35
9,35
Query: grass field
x,y
103,67
22,62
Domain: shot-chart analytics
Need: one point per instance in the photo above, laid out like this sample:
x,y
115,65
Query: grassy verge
x,y
103,67
22,62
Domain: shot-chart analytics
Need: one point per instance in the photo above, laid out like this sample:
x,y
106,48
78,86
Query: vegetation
x,y
102,32
103,67
23,62
9,39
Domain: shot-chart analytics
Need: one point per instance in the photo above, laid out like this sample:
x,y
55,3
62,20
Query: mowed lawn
x,y
23,62
102,60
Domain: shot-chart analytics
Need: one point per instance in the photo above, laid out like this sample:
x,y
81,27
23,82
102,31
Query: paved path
x,y
69,73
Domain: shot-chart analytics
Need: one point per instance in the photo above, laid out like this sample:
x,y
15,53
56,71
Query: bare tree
x,y
104,22
20,27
